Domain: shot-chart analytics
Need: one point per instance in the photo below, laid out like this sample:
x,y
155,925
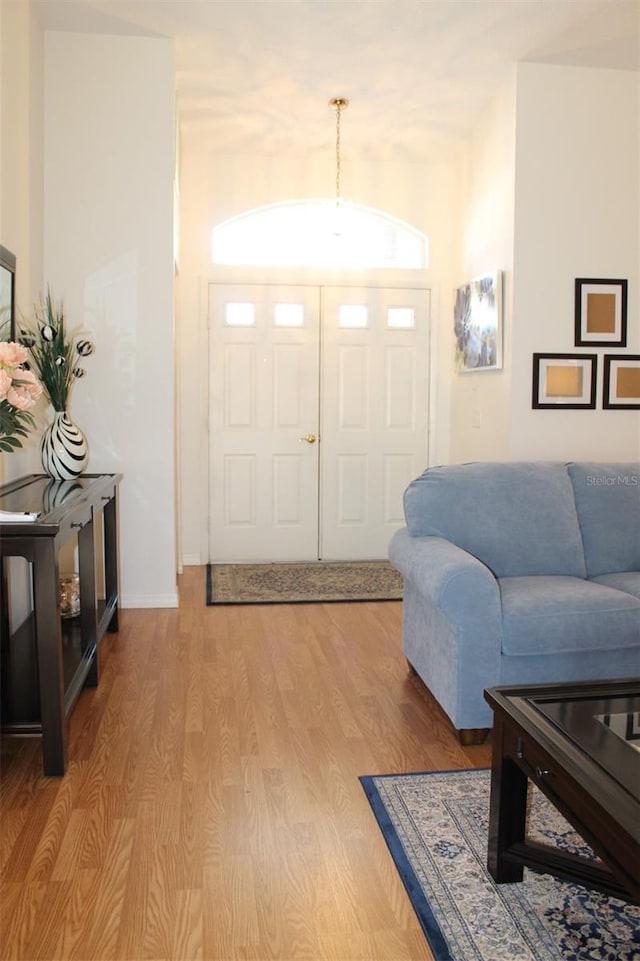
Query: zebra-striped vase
x,y
64,448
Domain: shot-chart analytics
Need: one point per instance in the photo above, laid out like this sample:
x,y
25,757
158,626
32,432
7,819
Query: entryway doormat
x,y
316,581
436,828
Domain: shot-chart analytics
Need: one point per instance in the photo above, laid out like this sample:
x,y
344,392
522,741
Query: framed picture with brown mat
x,y
564,381
600,313
621,382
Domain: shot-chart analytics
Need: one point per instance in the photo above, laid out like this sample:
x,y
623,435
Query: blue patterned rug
x,y
436,825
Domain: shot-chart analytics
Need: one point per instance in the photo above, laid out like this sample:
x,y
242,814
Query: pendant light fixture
x,y
338,104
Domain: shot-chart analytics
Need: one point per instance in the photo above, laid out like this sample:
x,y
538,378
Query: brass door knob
x,y
309,438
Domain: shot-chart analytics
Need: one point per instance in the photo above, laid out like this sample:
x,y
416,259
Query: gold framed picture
x,y
600,313
566,381
621,382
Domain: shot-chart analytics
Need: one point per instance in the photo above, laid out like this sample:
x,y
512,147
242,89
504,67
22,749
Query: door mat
x,y
316,581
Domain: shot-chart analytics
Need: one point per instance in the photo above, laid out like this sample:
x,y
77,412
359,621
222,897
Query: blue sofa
x,y
519,573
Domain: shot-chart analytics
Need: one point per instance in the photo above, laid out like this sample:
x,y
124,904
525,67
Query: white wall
x,y
21,166
108,252
214,187
576,215
21,214
480,408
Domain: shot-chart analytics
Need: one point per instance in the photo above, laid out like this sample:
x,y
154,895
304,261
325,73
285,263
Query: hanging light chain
x,y
338,154
338,104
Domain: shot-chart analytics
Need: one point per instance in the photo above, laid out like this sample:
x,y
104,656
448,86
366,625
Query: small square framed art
x,y
621,382
600,313
566,381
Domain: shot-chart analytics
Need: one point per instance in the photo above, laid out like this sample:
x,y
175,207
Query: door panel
x,y
238,366
374,405
263,398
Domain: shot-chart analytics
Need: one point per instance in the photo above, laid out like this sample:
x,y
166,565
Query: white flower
x,y
84,348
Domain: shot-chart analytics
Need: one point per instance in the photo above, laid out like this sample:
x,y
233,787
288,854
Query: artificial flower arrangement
x,y
19,391
52,354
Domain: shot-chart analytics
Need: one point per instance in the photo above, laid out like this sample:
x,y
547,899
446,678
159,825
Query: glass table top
x,y
42,494
606,729
625,725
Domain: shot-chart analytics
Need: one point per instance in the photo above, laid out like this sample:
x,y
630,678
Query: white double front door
x,y
318,418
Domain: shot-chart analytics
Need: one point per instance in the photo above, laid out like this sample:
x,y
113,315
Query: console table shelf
x,y
47,660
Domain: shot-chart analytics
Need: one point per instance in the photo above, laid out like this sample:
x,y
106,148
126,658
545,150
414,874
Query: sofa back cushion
x,y
517,518
608,503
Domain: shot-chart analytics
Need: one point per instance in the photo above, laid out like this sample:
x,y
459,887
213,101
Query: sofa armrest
x,y
456,582
451,624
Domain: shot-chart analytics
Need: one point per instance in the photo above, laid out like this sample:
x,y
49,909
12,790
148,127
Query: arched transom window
x,y
319,233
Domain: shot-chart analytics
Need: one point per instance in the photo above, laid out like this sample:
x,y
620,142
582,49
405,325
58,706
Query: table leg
x,y
88,610
49,646
110,515
508,810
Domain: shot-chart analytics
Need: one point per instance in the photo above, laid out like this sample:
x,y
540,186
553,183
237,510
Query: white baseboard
x,y
149,600
192,560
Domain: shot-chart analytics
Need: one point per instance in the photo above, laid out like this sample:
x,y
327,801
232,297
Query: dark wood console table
x,y
47,661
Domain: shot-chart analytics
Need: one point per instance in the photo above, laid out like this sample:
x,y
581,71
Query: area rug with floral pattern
x,y
303,582
436,826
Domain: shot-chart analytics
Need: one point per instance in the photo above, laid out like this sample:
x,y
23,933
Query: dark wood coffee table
x,y
576,743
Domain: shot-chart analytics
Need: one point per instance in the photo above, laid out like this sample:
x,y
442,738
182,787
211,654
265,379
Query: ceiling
x,y
257,75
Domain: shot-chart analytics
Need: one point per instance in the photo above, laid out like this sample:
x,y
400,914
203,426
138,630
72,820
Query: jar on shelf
x,y
70,595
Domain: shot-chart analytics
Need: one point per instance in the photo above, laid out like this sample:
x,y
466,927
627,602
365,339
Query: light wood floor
x,y
212,808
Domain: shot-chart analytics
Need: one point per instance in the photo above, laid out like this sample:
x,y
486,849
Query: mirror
x,y
7,294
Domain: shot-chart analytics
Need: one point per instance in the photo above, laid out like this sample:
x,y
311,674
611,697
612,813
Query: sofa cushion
x,y
628,581
608,505
556,615
517,518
